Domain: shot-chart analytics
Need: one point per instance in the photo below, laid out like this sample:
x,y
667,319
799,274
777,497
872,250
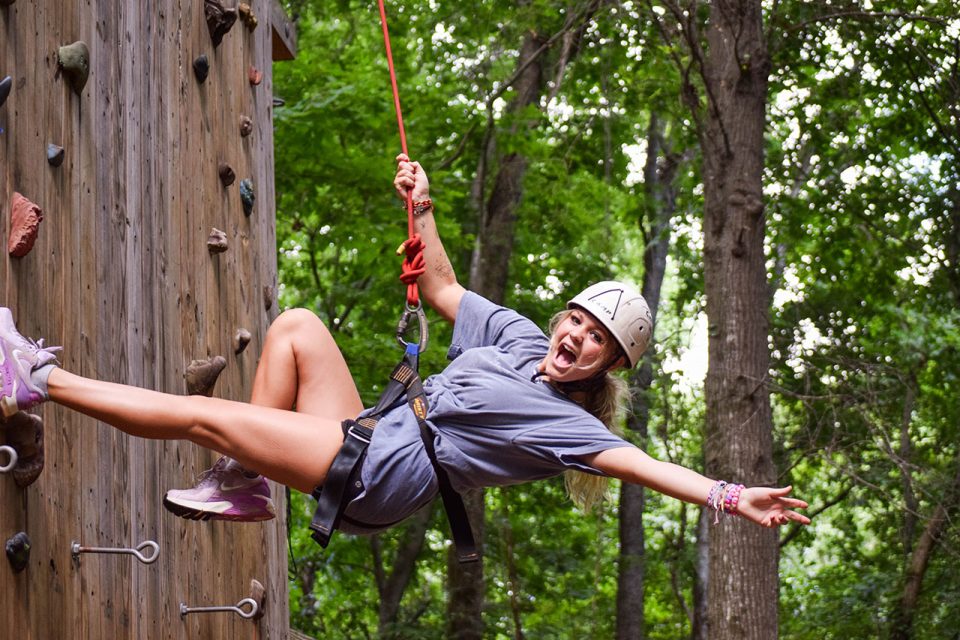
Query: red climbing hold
x,y
25,218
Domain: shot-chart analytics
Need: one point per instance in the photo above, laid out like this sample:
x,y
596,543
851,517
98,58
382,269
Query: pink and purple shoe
x,y
19,358
225,492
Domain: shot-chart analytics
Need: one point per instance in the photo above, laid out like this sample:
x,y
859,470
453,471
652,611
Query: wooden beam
x,y
284,33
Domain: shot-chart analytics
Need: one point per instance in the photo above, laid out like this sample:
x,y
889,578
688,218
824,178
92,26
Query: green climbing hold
x,y
74,61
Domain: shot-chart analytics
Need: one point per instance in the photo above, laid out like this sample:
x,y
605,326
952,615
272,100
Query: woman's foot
x,y
225,492
22,368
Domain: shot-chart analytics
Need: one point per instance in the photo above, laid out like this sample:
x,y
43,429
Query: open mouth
x,y
565,357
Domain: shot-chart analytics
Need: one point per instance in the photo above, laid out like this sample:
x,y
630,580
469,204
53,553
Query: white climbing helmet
x,y
623,311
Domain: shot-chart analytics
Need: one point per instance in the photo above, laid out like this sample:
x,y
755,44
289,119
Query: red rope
x,y
413,264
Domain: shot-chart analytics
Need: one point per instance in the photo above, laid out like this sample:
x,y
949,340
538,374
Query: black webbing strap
x,y
330,500
331,497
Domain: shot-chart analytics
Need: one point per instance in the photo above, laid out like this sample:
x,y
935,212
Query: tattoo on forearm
x,y
443,267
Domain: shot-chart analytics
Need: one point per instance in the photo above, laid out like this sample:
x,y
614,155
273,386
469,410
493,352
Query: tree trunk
x,y
465,583
488,277
490,266
659,184
743,587
702,578
391,588
901,624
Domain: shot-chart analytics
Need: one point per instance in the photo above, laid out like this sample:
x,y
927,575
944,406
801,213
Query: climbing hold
x,y
227,175
241,340
255,76
25,435
247,196
246,126
55,155
18,551
201,68
259,595
217,241
201,375
6,3
220,19
74,61
247,16
5,85
25,218
268,297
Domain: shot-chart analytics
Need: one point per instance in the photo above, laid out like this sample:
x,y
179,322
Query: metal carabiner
x,y
404,323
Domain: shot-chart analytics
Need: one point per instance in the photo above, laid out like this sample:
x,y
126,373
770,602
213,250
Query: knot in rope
x,y
413,266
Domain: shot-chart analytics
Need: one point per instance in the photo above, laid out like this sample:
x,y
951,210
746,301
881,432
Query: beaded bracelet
x,y
724,498
731,499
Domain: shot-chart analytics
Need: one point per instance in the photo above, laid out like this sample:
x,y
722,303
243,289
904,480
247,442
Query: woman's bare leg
x,y
300,366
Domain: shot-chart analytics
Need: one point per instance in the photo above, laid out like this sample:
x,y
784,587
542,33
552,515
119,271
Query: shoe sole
x,y
189,513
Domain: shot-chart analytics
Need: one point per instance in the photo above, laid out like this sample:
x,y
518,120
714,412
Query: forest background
x,y
782,179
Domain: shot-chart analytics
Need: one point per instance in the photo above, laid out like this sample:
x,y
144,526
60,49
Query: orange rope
x,y
413,263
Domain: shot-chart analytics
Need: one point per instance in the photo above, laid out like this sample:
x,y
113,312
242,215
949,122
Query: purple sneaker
x,y
19,357
225,492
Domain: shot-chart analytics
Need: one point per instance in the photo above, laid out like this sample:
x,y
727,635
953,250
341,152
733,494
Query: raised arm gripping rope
x,y
343,479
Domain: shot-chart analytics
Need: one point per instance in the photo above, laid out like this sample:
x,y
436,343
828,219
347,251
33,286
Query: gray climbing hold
x,y
55,155
201,375
201,68
74,61
18,551
240,340
5,85
217,241
247,196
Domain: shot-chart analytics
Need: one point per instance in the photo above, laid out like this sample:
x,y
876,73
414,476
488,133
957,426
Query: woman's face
x,y
578,348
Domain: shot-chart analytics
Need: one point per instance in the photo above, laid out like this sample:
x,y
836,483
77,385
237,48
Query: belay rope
x,y
343,480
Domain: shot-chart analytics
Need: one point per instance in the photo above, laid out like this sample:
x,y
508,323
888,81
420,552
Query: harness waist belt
x,y
332,497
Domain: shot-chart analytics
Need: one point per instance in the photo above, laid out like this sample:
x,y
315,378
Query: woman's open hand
x,y
771,507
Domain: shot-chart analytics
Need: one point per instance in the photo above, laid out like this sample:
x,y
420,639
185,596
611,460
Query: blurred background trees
x,y
568,142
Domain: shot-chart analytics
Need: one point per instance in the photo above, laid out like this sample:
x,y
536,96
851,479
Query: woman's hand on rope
x,y
410,175
771,507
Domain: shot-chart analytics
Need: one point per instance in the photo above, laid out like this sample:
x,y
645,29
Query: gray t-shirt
x,y
492,424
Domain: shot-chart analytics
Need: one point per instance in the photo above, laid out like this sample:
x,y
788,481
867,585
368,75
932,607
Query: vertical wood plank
x,y
128,287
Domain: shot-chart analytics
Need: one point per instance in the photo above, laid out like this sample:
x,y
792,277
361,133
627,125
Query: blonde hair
x,y
606,402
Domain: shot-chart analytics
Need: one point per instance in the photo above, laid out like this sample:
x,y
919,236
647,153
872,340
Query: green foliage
x,y
862,218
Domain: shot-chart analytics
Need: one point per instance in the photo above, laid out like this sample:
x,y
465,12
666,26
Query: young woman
x,y
513,406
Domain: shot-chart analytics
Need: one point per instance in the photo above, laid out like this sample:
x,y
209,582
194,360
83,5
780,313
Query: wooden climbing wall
x,y
121,276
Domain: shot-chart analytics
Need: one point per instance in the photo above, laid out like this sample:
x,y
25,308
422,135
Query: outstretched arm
x,y
763,505
438,284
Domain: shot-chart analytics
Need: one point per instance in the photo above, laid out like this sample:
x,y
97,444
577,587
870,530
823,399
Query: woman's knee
x,y
293,322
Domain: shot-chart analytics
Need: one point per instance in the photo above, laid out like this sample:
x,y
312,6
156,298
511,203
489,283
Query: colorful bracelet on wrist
x,y
420,207
724,498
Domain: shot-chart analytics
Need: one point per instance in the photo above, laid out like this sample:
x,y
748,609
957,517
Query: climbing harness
x,y
343,480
